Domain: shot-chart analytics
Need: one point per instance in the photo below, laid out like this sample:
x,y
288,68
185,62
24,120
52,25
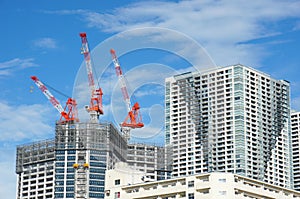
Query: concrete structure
x,y
233,119
204,186
35,168
149,159
295,126
46,169
122,174
98,145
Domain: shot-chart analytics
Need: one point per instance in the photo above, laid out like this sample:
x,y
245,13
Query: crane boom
x,y
121,79
69,113
96,94
133,119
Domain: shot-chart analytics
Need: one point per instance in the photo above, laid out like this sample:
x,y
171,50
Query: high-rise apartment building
x,y
295,126
231,119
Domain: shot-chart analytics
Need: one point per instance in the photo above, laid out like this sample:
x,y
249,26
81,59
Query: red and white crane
x,y
95,109
69,113
133,119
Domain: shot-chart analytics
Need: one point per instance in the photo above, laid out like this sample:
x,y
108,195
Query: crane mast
x,y
69,113
95,109
133,119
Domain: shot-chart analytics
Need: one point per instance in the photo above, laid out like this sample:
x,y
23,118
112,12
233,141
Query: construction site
x,y
227,135
74,162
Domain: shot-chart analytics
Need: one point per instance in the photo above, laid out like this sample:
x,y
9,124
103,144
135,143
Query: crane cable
x,y
57,91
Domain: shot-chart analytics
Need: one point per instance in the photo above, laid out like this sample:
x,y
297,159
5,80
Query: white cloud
x,y
24,122
113,103
224,28
154,90
20,124
155,126
220,26
8,67
8,180
45,43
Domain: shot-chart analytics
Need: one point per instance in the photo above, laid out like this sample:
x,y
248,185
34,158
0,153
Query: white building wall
x,y
232,119
121,175
35,167
295,126
204,186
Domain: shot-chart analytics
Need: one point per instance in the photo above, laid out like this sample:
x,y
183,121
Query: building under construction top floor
x,y
83,153
35,168
72,165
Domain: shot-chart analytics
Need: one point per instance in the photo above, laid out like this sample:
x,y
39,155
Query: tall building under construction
x,y
35,168
231,119
149,159
71,166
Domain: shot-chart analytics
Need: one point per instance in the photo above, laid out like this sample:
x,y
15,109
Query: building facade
x,y
295,126
83,153
232,119
205,186
72,165
149,159
35,168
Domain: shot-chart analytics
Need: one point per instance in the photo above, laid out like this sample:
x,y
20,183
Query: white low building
x,y
204,186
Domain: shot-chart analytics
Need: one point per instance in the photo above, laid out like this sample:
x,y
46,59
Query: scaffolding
x,y
34,160
42,151
92,148
150,159
89,136
81,190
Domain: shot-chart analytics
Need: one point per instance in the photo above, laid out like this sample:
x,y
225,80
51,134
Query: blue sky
x,y
41,38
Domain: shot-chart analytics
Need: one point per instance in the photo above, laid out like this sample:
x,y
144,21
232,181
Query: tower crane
x,y
69,113
133,119
95,108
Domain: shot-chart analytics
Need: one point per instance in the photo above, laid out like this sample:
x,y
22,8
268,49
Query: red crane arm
x,y
69,113
133,119
96,94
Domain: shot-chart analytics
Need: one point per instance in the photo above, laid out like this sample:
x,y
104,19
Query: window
x,y
70,182
70,195
96,195
117,194
71,157
191,183
95,182
59,195
222,192
59,189
117,182
71,152
191,196
70,188
99,177
222,180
